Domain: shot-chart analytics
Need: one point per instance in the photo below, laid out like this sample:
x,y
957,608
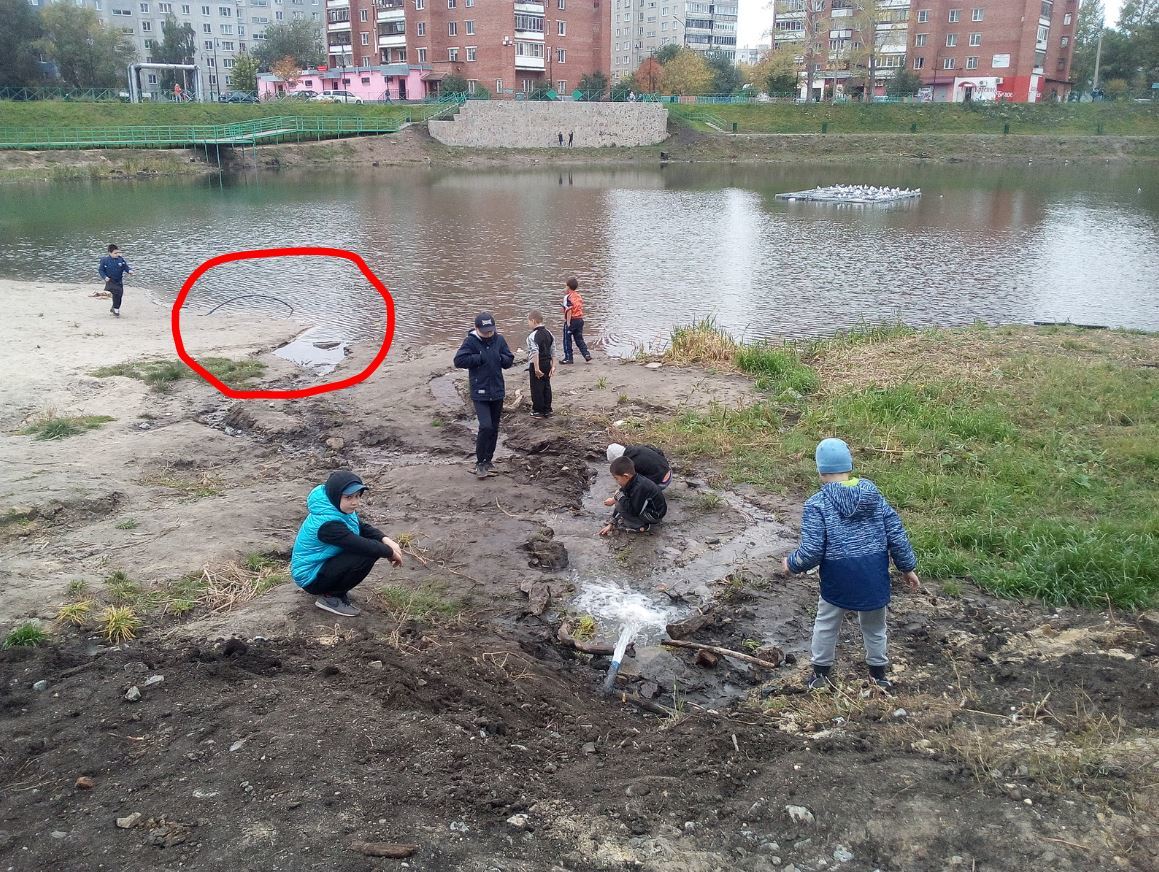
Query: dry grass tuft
x,y
704,343
76,613
232,585
119,623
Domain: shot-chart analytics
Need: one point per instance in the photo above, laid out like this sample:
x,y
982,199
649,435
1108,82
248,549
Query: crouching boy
x,y
335,550
639,502
851,532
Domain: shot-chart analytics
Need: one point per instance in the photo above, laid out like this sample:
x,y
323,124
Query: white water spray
x,y
635,613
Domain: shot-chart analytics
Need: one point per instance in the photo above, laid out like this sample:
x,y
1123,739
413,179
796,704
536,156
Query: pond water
x,y
652,248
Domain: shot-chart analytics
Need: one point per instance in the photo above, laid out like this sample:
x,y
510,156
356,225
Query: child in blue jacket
x,y
484,354
851,532
335,549
113,268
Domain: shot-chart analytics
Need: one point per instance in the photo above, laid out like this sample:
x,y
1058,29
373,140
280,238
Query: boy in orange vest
x,y
573,322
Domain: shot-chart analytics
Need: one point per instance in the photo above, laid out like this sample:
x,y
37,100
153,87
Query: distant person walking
x,y
561,139
573,322
113,269
570,138
178,95
484,354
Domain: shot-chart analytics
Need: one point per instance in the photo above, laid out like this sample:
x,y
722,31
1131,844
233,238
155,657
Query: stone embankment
x,y
520,124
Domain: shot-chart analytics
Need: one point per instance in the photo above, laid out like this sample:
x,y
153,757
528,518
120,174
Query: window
x,y
469,3
1066,19
145,8
919,63
971,63
227,63
148,43
422,55
560,86
452,28
365,38
1043,30
207,28
450,4
951,40
561,28
452,54
208,45
363,15
153,78
470,27
227,29
420,4
923,16
185,9
529,22
1065,41
421,29
976,15
164,8
204,10
975,39
498,86
920,40
122,12
472,53
561,4
955,16
147,26
561,56
472,84
226,46
224,11
947,63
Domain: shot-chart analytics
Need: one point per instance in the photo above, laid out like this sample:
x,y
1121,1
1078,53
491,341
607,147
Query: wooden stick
x,y
645,704
724,652
1065,842
567,638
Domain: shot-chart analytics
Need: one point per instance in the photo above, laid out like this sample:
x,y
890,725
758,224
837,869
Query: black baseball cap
x,y
485,322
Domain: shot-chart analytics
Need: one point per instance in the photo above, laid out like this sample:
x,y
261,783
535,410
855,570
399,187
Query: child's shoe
x,y
480,470
820,679
336,606
877,677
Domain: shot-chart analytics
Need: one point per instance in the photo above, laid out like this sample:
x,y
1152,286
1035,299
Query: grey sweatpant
x,y
828,625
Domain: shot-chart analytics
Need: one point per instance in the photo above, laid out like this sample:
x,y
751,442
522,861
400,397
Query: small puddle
x,y
313,350
446,391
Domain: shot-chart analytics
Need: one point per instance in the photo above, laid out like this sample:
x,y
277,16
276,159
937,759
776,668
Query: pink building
x,y
369,84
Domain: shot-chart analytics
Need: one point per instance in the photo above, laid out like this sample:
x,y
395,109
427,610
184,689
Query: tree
x,y
287,70
780,72
453,84
300,40
19,64
623,88
687,73
904,83
667,52
1088,28
1139,25
594,85
177,46
648,76
245,73
87,53
814,45
868,40
726,78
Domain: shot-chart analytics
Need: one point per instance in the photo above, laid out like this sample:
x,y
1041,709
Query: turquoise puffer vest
x,y
310,552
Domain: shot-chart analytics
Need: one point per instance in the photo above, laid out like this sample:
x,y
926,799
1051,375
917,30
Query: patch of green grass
x,y
76,587
76,613
952,588
703,342
777,368
420,603
63,426
602,383
161,375
1032,476
119,623
127,524
25,636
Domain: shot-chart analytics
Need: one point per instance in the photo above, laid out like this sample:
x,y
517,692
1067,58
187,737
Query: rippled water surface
x,y
651,247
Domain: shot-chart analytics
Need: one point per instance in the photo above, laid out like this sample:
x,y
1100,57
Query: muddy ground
x,y
455,721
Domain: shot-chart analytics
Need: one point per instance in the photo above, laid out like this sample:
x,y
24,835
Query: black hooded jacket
x,y
368,540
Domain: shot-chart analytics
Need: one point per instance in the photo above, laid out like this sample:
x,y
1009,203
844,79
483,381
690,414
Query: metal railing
x,y
87,95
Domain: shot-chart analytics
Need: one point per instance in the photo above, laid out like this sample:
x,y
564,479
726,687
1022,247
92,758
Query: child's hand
x,y
606,529
610,501
912,582
396,555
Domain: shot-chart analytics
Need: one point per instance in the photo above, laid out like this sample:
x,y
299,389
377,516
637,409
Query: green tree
x,y
87,53
726,78
868,40
903,83
1139,24
594,85
301,40
687,73
244,74
177,46
1086,38
780,73
453,84
19,61
666,52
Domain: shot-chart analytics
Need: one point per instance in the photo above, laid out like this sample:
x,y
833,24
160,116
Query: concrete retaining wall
x,y
535,124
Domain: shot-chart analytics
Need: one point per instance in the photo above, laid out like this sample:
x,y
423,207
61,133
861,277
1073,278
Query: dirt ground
x,y
455,721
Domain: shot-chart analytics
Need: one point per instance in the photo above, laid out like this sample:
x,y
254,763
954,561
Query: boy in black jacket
x,y
649,461
484,354
640,503
541,365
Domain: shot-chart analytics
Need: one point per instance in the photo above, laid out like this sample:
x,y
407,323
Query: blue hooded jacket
x,y
328,531
485,360
850,531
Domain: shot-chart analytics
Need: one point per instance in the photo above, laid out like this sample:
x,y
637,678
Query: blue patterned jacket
x,y
850,531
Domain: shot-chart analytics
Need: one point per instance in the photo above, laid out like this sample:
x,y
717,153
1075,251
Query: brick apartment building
x,y
1014,50
499,45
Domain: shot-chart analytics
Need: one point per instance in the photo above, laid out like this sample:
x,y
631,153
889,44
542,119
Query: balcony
x,y
529,35
529,8
523,62
395,13
392,40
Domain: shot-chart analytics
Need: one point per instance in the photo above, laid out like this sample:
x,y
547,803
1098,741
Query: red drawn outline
x,y
258,254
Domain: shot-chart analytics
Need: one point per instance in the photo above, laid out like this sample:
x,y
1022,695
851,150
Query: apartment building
x,y
224,28
1015,50
642,27
501,46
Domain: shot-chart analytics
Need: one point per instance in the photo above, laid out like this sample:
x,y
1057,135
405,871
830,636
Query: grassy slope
x,y
1024,459
1065,118
62,114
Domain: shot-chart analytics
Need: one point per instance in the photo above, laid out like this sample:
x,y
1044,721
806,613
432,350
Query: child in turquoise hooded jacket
x,y
335,549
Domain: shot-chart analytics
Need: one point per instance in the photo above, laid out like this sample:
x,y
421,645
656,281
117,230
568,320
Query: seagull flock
x,y
854,194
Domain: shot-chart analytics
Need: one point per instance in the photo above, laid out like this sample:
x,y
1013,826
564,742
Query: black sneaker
x,y
820,679
490,468
480,470
538,415
567,362
877,677
349,605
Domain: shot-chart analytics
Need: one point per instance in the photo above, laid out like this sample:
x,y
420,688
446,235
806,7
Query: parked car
x,y
301,95
335,97
238,97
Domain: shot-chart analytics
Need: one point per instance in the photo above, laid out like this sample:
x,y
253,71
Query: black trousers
x,y
623,518
540,394
576,332
117,290
341,573
488,412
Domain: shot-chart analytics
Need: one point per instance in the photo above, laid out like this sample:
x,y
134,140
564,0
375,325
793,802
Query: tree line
x,y
1129,61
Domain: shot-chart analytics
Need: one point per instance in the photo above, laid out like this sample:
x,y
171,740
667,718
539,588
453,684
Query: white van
x,y
335,97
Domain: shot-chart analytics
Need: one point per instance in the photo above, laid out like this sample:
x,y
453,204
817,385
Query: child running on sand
x,y
113,268
639,502
851,532
335,549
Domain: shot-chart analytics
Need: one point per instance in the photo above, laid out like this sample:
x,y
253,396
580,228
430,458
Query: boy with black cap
x,y
484,354
851,532
335,550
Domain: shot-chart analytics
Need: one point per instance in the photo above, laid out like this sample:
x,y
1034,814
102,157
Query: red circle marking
x,y
258,254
